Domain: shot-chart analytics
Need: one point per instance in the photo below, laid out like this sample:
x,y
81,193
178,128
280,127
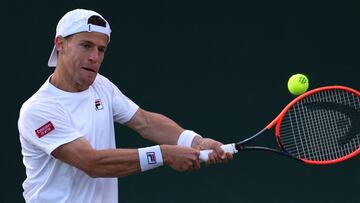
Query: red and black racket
x,y
321,126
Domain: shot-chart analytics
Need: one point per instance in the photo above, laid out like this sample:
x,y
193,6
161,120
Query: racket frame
x,y
240,146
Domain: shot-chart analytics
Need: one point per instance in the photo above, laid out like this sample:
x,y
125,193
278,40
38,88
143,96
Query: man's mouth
x,y
89,69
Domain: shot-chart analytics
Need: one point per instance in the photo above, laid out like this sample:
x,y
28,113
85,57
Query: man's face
x,y
80,58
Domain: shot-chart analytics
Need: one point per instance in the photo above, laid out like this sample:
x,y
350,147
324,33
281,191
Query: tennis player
x,y
67,127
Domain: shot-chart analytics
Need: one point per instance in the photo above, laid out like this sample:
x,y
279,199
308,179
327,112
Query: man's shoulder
x,y
103,83
102,80
37,104
42,100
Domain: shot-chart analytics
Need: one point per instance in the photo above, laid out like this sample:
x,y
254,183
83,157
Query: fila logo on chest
x,y
98,105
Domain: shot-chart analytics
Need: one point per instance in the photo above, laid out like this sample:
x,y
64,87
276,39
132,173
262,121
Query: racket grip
x,y
228,148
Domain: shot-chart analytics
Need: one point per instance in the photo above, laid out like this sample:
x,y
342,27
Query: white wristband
x,y
186,138
150,157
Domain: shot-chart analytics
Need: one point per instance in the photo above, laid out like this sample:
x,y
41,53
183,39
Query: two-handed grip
x,y
228,148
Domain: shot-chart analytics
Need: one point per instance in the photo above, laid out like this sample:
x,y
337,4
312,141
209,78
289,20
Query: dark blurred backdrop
x,y
217,67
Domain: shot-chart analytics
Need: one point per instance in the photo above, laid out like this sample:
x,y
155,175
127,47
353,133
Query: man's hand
x,y
180,158
218,156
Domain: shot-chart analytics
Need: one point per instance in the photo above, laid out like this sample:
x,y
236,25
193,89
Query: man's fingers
x,y
218,155
197,165
219,151
229,156
215,158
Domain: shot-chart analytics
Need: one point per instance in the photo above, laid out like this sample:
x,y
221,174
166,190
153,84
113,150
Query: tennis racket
x,y
321,126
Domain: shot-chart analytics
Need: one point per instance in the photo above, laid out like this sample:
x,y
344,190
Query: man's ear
x,y
59,43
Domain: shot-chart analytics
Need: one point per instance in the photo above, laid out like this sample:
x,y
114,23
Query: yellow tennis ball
x,y
298,84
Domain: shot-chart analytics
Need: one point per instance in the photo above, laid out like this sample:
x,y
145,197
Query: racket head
x,y
321,126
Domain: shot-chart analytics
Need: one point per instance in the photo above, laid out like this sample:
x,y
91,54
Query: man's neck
x,y
63,83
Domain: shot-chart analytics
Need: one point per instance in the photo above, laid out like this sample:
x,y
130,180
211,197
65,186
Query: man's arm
x,y
123,162
155,127
162,130
98,163
120,162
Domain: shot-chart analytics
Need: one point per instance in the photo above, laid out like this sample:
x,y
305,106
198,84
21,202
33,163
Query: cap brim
x,y
53,58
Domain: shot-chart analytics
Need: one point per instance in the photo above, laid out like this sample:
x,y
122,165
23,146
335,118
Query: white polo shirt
x,y
52,117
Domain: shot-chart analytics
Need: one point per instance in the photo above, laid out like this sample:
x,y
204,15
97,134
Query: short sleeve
x,y
123,107
46,125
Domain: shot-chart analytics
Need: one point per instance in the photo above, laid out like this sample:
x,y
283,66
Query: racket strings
x,y
322,126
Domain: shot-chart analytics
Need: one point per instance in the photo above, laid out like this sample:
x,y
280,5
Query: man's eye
x,y
86,46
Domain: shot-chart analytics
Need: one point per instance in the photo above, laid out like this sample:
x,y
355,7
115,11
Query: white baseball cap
x,y
76,21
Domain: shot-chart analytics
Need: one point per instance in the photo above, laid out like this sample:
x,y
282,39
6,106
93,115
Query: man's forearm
x,y
161,129
155,127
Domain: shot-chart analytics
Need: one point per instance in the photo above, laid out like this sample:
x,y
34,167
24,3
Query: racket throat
x,y
267,149
252,138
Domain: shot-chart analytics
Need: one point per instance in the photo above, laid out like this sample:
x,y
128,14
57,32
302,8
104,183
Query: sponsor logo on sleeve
x,y
45,129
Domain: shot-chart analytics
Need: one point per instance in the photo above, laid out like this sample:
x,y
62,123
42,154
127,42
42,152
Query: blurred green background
x,y
217,67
